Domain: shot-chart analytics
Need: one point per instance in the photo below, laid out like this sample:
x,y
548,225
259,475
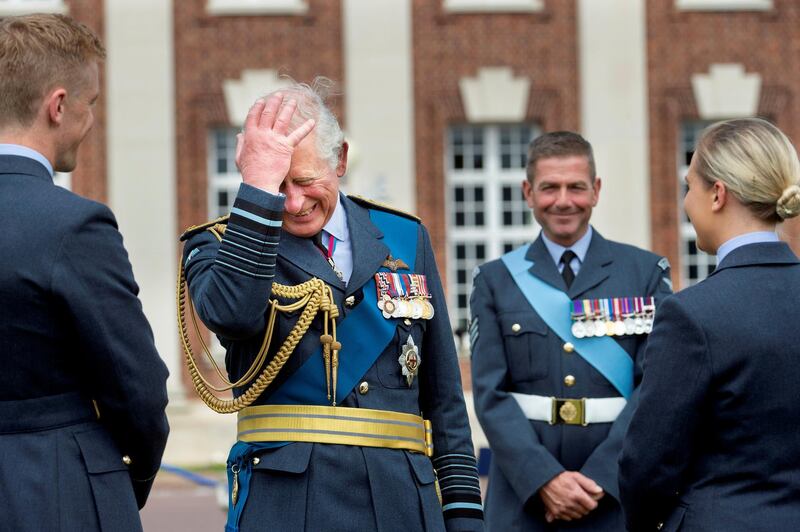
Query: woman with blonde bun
x,y
713,443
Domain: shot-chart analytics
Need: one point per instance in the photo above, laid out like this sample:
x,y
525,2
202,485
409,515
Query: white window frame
x,y
493,234
686,231
256,7
493,6
23,7
723,5
228,181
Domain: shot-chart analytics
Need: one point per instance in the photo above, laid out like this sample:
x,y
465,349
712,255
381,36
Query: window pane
x,y
484,168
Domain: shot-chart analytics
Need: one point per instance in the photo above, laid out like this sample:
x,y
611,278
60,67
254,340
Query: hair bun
x,y
789,203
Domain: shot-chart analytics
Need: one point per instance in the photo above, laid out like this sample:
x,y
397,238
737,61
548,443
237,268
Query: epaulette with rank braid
x,y
216,227
372,204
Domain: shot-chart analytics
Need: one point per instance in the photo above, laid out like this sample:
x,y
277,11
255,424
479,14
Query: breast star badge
x,y
409,360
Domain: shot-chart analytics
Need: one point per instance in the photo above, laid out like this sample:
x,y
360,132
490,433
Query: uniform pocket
x,y
422,467
292,458
429,498
278,489
524,336
110,481
390,372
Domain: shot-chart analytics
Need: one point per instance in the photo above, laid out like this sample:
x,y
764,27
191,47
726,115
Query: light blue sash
x,y
553,305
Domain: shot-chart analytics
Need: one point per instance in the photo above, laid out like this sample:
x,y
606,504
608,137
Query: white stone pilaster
x,y
140,101
613,87
379,100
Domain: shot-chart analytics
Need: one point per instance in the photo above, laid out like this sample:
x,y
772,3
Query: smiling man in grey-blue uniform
x,y
337,441
558,329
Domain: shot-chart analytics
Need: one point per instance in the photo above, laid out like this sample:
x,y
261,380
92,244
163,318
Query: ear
x,y
527,192
720,196
598,183
54,102
341,167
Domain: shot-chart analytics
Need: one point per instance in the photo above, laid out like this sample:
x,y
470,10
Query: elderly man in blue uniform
x,y
82,391
301,462
558,329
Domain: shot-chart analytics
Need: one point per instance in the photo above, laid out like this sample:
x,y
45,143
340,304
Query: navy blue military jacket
x,y
72,331
513,350
713,443
305,486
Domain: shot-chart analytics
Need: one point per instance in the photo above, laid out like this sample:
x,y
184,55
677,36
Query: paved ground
x,y
179,505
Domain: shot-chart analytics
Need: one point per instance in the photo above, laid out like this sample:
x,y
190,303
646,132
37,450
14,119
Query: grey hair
x,y
756,161
311,103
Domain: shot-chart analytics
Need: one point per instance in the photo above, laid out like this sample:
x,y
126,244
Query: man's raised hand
x,y
264,148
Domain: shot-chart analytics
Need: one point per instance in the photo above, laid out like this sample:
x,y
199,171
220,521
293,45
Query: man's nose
x,y
294,201
563,197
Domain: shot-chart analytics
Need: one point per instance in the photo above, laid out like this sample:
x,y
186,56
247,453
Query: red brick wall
x,y
89,178
682,43
540,46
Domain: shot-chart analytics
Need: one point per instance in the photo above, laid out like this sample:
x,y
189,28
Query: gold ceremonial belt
x,y
336,424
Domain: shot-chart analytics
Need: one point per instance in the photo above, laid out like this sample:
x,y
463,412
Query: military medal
x,y
428,312
610,328
619,327
650,311
387,306
638,322
416,309
599,322
630,326
403,295
409,360
578,328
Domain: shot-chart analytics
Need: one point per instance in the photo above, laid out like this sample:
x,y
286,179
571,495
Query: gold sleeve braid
x,y
313,296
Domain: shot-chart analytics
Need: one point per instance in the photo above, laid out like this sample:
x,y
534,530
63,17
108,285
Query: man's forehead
x,y
562,165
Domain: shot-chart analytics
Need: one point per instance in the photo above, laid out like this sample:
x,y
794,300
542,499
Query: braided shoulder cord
x,y
313,294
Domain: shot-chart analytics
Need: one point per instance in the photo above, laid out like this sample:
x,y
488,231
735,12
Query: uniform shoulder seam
x,y
216,226
372,204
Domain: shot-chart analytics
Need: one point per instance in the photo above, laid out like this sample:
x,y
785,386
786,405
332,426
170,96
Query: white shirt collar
x,y
580,248
337,225
742,240
24,151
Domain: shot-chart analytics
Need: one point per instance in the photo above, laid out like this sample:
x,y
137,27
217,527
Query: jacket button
x,y
568,347
256,460
407,322
127,460
516,327
569,380
363,388
350,301
659,526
